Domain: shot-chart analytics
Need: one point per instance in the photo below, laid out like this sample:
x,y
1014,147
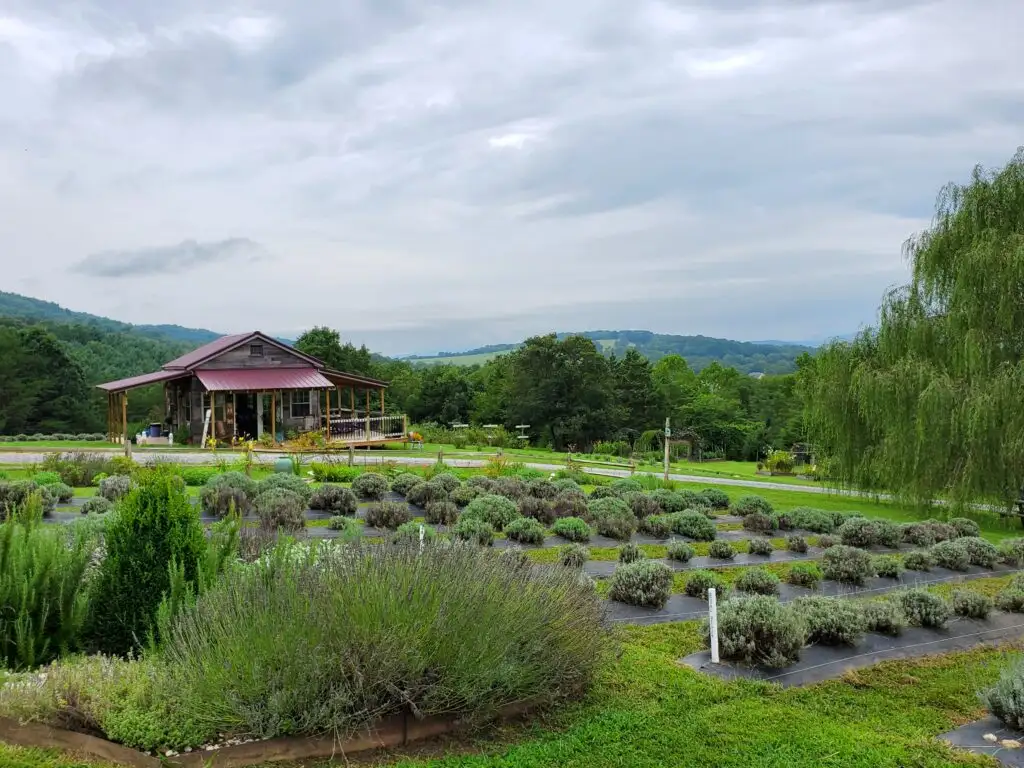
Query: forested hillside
x,y
699,351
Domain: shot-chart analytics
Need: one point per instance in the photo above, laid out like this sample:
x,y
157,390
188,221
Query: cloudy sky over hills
x,y
446,174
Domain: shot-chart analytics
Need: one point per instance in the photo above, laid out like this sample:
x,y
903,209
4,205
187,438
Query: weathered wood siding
x,y
273,357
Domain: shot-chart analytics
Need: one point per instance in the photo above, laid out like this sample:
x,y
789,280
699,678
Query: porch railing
x,y
366,428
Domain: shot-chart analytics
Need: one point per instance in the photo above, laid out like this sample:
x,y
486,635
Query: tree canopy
x,y
929,402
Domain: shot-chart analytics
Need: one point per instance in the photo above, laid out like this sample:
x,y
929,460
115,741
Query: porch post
x,y
234,414
327,419
259,415
381,402
213,416
273,416
367,414
352,401
124,417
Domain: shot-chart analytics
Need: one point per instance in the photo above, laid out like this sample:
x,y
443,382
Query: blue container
x,y
154,430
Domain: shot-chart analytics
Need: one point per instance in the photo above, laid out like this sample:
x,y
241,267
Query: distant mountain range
x,y
699,351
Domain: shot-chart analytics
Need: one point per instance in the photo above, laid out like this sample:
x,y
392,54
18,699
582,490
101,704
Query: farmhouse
x,y
249,385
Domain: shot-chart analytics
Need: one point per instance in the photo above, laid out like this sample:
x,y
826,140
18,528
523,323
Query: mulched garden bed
x,y
971,738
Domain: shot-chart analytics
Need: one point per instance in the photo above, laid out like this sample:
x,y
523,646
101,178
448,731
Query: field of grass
x,y
477,359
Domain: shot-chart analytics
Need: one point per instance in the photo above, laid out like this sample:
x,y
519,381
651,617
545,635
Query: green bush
x,y
796,544
658,526
350,529
716,498
540,488
630,553
602,492
291,483
971,604
46,478
831,620
334,498
281,509
61,493
918,560
748,505
781,521
474,530
370,486
669,501
965,527
721,550
573,555
804,575
14,496
387,514
446,480
613,518
825,541
566,484
641,505
115,487
43,598
952,555
923,609
196,476
409,533
511,488
759,522
1011,551
699,582
404,481
762,547
482,483
758,581
848,565
1005,699
883,616
694,525
980,552
226,491
858,532
97,505
643,583
889,566
464,494
625,486
441,513
333,473
514,557
540,510
887,533
815,520
154,527
497,511
525,530
1011,599
572,528
422,494
570,504
680,550
928,532
758,630
692,499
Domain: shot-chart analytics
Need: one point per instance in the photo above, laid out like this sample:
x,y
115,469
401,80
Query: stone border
x,y
395,731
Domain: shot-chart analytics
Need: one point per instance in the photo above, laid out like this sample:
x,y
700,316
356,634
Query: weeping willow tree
x,y
931,401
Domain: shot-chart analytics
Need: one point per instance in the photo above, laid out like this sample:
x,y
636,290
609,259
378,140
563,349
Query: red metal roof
x,y
145,379
208,350
241,379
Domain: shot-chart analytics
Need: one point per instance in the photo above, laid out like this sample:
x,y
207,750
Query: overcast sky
x,y
439,175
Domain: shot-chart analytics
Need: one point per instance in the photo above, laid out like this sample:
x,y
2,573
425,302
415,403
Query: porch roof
x,y
133,382
253,379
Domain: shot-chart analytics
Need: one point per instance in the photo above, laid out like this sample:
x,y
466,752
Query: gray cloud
x,y
169,259
435,175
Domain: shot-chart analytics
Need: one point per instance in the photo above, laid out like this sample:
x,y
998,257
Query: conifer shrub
x,y
918,560
680,550
848,565
922,608
643,583
762,547
758,629
280,509
441,513
155,526
971,604
387,514
572,528
493,509
658,526
474,530
748,505
758,581
539,509
694,526
721,550
573,555
334,498
699,582
525,530
951,554
831,620
804,575
371,486
883,616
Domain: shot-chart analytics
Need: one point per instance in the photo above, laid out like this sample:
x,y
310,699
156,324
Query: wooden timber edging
x,y
395,731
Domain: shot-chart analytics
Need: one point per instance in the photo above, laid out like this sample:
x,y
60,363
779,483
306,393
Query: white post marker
x,y
423,533
713,624
668,435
